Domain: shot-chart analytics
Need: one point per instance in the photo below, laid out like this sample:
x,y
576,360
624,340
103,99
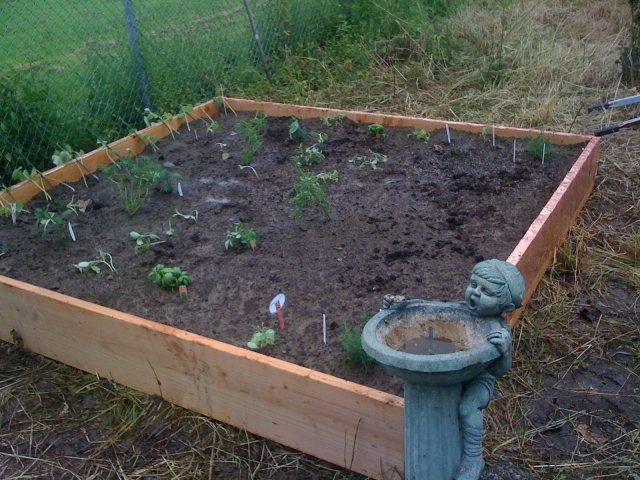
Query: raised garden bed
x,y
414,225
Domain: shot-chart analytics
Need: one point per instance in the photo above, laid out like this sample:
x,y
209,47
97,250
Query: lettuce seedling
x,y
262,338
144,241
169,277
376,130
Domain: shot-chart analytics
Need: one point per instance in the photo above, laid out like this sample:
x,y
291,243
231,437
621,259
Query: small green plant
x,y
420,135
319,137
239,237
186,111
539,147
64,155
21,174
371,161
223,149
251,131
166,178
332,120
169,277
151,117
213,127
144,241
6,209
103,258
325,177
376,130
151,141
190,217
351,340
262,338
296,131
136,178
53,221
170,231
307,156
308,192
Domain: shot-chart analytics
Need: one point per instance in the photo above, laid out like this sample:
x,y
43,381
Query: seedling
x,y
376,130
307,156
319,137
52,221
185,112
64,155
213,127
21,174
166,179
325,177
103,258
372,160
240,238
149,140
309,192
135,179
539,147
296,132
252,132
351,340
10,209
333,120
144,241
152,117
223,149
105,145
262,338
170,231
420,135
187,216
242,167
169,277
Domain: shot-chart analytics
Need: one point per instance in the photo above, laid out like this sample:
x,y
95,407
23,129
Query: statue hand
x,y
501,339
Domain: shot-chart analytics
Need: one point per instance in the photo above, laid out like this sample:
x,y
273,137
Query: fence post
x,y
256,37
134,41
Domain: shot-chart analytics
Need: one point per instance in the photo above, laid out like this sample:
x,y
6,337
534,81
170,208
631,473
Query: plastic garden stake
x,y
182,290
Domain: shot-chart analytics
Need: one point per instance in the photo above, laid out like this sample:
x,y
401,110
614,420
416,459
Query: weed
x,y
307,156
240,238
144,241
351,340
539,147
103,258
376,130
251,131
262,338
372,160
169,277
135,178
420,135
308,192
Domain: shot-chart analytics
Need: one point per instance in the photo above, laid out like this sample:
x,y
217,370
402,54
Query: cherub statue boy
x,y
495,287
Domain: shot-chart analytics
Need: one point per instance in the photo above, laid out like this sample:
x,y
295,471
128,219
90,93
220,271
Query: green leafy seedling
x,y
371,161
307,156
169,277
420,135
308,192
103,258
296,131
223,149
376,130
21,174
144,241
252,132
332,120
190,217
53,221
262,338
151,117
6,209
319,137
325,177
239,237
64,155
213,127
540,147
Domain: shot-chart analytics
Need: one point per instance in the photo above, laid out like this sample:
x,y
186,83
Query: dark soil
x,y
414,226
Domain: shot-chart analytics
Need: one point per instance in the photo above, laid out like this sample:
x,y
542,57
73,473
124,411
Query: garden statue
x,y
447,390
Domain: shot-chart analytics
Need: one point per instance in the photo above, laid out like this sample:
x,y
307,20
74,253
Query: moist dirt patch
x,y
405,216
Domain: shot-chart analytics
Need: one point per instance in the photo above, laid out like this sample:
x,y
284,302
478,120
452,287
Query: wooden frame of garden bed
x,y
347,424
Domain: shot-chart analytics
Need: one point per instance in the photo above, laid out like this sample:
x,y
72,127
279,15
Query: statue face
x,y
483,297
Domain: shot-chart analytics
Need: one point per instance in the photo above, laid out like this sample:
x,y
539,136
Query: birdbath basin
x,y
435,347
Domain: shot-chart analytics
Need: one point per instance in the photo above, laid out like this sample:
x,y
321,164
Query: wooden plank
x,y
535,250
90,162
339,421
284,110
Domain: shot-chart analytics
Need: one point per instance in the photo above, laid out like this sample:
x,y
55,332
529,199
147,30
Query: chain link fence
x,y
73,72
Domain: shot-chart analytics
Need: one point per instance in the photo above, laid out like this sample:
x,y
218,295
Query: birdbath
x,y
449,355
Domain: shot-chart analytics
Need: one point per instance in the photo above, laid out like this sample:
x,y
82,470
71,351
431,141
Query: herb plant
x,y
136,178
307,156
539,146
240,238
144,241
308,192
103,258
262,338
251,131
169,277
376,130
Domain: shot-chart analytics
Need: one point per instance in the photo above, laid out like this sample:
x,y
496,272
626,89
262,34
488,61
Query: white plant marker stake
x,y
180,190
448,133
514,150
324,328
195,130
494,136
544,149
275,307
73,235
14,213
